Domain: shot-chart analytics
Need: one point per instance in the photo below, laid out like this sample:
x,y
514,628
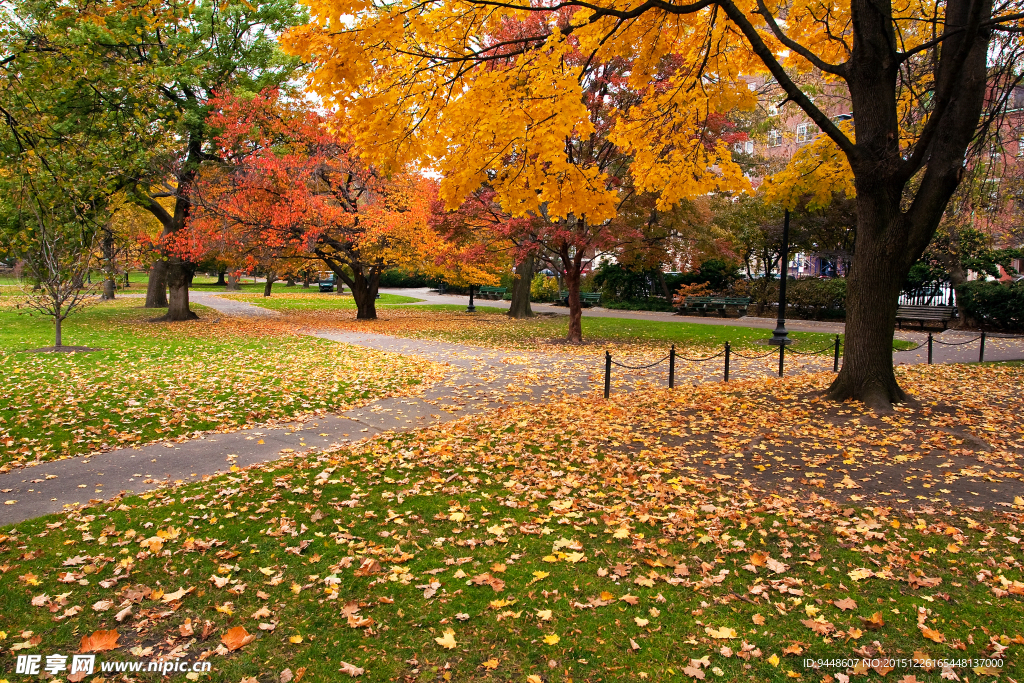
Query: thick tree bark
x,y
156,290
57,321
873,289
290,282
177,284
220,278
232,285
893,232
520,306
364,291
363,285
269,284
305,281
108,288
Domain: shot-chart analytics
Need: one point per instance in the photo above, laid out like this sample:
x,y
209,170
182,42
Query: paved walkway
x,y
480,379
430,296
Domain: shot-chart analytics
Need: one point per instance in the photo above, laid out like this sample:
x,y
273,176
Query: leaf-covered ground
x,y
580,539
152,381
305,299
491,327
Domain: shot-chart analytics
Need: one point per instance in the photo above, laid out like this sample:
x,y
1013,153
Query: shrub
x,y
543,288
992,304
696,289
813,298
396,277
640,305
619,283
807,299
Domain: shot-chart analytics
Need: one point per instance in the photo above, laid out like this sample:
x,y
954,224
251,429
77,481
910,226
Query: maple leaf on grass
x,y
236,638
100,641
846,604
447,639
351,669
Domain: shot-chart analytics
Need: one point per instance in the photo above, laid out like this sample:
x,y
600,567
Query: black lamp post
x,y
780,337
471,308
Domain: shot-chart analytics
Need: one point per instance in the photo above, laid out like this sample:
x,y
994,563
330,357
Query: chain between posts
x,y
728,353
671,357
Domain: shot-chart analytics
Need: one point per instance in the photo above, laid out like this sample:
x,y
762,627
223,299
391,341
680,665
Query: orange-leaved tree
x,y
523,106
288,189
446,81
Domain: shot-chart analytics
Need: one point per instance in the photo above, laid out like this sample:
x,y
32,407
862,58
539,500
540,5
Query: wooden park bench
x,y
487,292
586,298
717,304
923,314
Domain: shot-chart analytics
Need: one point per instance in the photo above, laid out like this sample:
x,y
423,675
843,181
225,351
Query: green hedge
x,y
810,299
397,277
649,304
992,304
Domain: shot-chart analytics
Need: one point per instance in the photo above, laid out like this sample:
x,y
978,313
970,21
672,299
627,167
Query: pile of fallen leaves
x,y
643,538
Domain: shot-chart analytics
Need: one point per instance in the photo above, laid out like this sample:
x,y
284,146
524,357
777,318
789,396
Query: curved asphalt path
x,y
480,379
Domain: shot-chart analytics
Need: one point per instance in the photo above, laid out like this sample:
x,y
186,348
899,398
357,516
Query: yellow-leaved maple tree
x,y
491,92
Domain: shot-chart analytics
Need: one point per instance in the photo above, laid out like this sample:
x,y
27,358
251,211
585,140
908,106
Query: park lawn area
x,y
153,381
527,545
489,326
301,300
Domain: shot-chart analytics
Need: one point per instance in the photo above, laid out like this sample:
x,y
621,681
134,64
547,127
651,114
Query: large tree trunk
x,y
233,282
269,284
156,290
873,289
220,278
520,307
109,286
364,288
177,283
893,227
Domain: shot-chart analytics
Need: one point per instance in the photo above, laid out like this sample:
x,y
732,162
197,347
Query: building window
x,y
746,147
775,138
805,132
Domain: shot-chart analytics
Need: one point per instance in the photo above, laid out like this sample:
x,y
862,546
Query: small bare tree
x,y
55,264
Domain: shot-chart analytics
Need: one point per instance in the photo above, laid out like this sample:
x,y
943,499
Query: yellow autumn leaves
x,y
393,72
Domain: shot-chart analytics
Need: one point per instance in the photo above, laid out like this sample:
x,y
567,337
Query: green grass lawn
x,y
489,326
300,300
510,548
153,381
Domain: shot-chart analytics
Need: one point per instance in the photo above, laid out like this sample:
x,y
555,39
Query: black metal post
x,y
929,348
782,359
471,308
607,373
780,337
728,351
672,367
835,356
981,351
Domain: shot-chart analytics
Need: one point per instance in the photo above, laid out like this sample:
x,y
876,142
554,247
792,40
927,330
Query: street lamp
x,y
780,337
471,308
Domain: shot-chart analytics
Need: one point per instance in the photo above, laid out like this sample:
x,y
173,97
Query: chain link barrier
x,y
728,353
